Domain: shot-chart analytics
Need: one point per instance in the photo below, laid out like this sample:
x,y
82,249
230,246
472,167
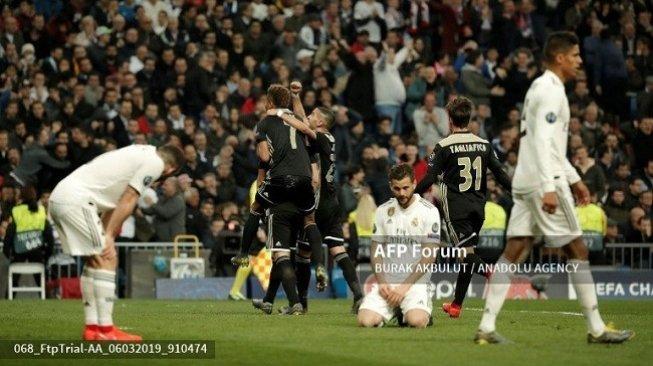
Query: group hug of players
x,y
297,199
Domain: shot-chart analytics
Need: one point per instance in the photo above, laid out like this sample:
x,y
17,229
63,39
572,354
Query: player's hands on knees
x,y
109,251
581,192
550,202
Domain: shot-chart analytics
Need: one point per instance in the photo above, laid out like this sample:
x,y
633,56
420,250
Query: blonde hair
x,y
365,211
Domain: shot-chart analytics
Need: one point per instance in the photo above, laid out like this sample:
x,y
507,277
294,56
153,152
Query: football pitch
x,y
548,332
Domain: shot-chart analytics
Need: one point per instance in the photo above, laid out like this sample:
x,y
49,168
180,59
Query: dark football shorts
x,y
287,188
284,223
328,220
464,233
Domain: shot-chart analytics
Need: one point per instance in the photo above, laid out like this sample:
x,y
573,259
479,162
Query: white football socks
x,y
105,291
497,290
584,286
86,282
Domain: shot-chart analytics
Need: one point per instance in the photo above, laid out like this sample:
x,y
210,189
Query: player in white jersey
x,y
410,221
544,204
88,208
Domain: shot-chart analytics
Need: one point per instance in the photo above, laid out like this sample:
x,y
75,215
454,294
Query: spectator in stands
x,y
616,208
474,83
431,123
642,142
34,159
390,93
591,174
645,99
169,211
351,190
610,75
647,174
612,234
633,230
645,202
635,189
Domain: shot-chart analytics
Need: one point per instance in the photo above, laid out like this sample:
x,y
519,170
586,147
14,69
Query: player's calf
x,y
287,275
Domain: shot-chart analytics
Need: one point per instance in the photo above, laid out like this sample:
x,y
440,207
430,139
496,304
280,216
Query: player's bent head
x,y
328,117
279,96
173,158
402,182
559,43
460,111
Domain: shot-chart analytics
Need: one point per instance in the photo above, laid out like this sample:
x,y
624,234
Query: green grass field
x,y
544,333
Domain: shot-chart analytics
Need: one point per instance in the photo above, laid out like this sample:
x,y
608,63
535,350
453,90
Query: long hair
x,y
365,211
29,197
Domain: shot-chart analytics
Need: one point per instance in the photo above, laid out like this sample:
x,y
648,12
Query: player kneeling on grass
x,y
403,224
88,208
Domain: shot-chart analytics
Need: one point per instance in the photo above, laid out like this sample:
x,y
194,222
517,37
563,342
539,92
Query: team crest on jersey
x,y
415,222
551,117
391,211
436,227
147,180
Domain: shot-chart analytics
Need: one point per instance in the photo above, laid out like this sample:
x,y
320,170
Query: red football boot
x,y
90,332
452,309
115,334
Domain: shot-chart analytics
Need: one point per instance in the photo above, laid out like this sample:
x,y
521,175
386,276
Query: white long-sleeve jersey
x,y
543,146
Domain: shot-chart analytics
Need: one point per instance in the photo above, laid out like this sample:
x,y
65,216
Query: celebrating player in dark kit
x,y
461,160
287,181
273,190
328,216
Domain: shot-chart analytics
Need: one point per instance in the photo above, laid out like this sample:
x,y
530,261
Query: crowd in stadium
x,y
79,78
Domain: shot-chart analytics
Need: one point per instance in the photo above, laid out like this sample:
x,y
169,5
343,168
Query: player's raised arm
x,y
435,168
297,107
294,122
497,170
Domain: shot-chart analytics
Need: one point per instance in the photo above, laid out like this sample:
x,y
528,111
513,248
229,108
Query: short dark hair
x,y
329,116
353,170
472,56
401,171
172,155
279,95
460,111
557,43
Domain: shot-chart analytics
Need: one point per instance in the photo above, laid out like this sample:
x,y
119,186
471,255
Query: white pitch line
x,y
570,313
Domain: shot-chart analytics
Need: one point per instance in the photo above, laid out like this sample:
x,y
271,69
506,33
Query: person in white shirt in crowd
x,y
431,123
367,16
389,89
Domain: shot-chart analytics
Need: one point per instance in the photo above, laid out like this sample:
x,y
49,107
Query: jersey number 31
x,y
466,173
